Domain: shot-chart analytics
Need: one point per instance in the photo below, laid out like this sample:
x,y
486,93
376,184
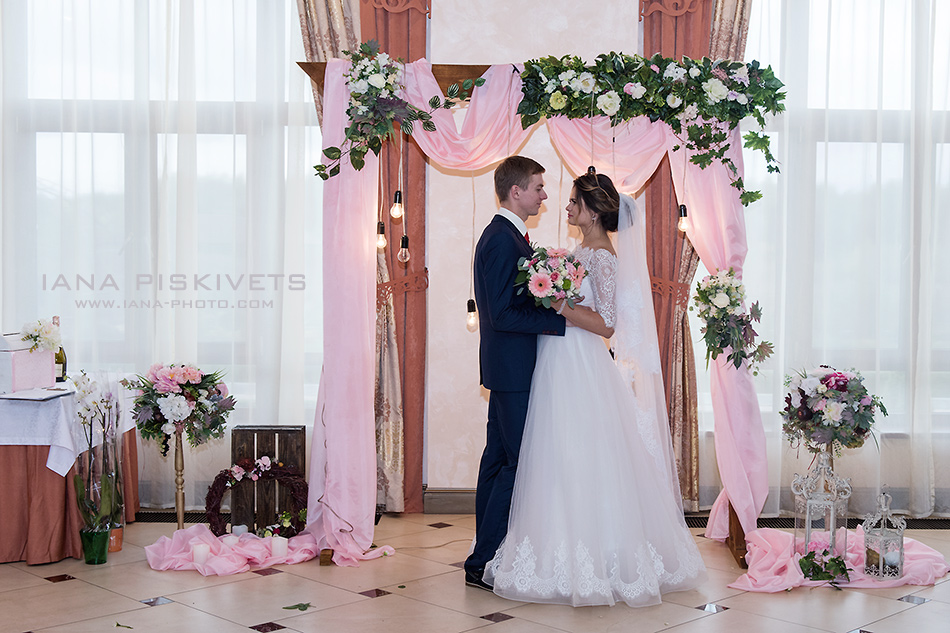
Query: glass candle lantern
x,y
883,541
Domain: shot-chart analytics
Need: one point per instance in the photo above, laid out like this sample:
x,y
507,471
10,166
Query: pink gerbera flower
x,y
540,284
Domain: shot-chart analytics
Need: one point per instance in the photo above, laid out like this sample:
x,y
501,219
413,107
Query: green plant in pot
x,y
98,479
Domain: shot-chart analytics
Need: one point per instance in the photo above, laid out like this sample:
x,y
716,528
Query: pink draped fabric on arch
x,y
342,467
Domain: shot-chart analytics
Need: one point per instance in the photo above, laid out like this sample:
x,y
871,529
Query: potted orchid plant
x,y
98,480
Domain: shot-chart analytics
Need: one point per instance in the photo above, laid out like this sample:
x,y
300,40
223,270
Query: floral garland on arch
x,y
262,468
377,107
701,99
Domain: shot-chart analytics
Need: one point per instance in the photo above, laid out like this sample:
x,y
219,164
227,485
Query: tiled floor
x,y
420,590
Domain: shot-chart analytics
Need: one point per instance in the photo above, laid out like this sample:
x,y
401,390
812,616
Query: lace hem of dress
x,y
573,578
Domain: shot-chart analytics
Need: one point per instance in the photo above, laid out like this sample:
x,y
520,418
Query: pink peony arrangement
x,y
551,274
180,398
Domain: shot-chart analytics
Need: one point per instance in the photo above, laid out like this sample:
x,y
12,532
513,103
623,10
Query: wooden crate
x,y
257,503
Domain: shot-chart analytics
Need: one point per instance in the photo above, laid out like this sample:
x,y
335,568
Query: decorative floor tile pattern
x,y
497,617
60,578
421,589
270,571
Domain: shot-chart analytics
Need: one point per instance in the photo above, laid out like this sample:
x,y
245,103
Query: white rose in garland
x,y
609,103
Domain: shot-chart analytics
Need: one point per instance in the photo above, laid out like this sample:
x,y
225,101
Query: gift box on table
x,y
21,369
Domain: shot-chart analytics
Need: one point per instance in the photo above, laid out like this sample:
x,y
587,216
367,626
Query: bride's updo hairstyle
x,y
600,197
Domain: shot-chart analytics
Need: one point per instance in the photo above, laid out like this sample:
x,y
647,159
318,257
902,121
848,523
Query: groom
x,y
509,325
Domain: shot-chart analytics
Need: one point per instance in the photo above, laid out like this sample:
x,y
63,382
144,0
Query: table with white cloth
x,y
40,440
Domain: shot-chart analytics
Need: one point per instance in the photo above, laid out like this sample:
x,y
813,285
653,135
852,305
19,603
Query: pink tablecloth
x,y
773,564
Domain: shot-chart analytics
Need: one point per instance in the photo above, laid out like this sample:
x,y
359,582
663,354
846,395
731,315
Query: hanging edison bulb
x,y
381,235
396,210
403,254
471,321
683,223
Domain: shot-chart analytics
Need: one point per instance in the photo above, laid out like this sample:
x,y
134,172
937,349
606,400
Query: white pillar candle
x,y
230,540
278,546
200,552
238,529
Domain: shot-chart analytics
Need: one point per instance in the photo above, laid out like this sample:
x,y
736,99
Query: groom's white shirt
x,y
514,219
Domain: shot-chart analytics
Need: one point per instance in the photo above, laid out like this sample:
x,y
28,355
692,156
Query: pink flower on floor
x,y
540,284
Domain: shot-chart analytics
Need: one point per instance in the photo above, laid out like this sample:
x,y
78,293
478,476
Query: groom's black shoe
x,y
474,579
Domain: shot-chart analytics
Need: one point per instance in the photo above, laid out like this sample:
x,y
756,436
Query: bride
x,y
596,515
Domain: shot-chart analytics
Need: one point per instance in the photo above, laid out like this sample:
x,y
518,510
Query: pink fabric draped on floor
x,y
342,468
773,564
248,552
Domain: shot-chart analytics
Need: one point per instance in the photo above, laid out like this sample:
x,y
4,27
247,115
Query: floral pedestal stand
x,y
179,480
821,500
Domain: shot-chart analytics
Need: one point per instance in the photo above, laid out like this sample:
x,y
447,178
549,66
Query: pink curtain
x,y
342,470
342,503
491,130
717,231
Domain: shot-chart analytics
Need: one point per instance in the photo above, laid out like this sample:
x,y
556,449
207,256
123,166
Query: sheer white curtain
x,y
158,194
845,247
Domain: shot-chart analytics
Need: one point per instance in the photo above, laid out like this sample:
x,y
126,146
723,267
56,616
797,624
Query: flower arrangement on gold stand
x,y
176,400
98,480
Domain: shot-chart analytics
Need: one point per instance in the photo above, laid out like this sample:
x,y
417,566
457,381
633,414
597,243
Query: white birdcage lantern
x,y
821,503
884,541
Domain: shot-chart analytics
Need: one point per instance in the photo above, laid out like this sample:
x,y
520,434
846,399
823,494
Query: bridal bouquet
x,y
551,274
42,334
825,407
180,399
721,299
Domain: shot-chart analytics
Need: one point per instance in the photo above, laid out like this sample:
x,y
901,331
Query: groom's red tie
x,y
526,238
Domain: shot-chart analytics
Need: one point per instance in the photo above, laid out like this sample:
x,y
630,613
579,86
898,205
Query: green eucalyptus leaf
x,y
333,153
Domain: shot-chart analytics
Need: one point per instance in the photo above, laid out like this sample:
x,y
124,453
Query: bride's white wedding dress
x,y
596,516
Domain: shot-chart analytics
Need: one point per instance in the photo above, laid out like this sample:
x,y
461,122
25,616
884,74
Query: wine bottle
x,y
59,359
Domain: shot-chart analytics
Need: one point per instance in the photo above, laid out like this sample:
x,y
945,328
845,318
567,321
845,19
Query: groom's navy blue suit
x,y
509,324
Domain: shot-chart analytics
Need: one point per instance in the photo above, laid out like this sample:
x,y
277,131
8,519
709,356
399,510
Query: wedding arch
x,y
343,462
